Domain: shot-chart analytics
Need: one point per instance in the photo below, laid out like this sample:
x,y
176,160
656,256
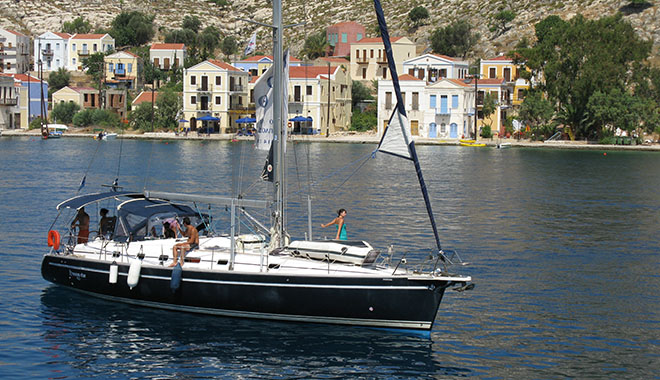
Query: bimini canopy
x,y
84,200
137,217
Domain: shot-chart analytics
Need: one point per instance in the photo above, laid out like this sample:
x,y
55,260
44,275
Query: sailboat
x,y
263,274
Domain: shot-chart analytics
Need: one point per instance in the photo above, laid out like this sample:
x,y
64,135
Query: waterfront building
x,y
443,109
502,90
368,59
144,97
81,46
51,48
167,56
16,52
29,98
215,89
88,98
123,69
340,36
9,111
433,67
322,94
258,64
503,67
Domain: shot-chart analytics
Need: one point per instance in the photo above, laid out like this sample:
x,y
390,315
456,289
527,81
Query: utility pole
x,y
327,130
476,96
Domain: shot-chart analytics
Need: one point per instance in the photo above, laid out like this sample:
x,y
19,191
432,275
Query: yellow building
x,y
502,67
123,69
369,62
217,91
81,46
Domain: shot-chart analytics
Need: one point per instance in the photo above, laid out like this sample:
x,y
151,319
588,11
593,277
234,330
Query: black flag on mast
x,y
396,139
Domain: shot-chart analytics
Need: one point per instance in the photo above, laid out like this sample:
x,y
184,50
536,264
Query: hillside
x,y
36,16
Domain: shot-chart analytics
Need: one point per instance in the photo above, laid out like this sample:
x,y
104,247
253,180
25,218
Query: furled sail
x,y
396,139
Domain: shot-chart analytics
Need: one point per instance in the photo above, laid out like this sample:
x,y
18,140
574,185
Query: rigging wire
x,y
82,182
121,146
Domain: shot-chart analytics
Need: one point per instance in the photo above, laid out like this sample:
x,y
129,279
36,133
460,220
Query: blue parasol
x,y
208,118
299,119
246,120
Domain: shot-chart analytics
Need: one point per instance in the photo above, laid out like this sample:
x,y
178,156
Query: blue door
x,y
453,130
433,131
443,105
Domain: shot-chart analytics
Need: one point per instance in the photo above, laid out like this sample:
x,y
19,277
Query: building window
x,y
492,72
415,101
217,100
454,101
193,99
384,72
359,36
443,128
357,53
193,80
73,61
73,47
371,53
309,90
388,100
364,73
130,67
344,38
218,80
433,101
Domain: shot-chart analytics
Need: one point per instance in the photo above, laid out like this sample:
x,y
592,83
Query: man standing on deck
x,y
188,245
83,225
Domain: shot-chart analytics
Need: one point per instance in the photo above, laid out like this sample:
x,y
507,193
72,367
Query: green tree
x,y
63,112
364,121
487,109
229,46
94,66
57,80
616,109
576,58
83,118
132,28
536,110
315,46
153,74
502,19
168,105
454,40
208,41
140,117
359,93
191,23
78,25
417,15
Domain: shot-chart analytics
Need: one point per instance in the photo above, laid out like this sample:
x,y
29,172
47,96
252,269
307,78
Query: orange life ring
x,y
290,124
54,239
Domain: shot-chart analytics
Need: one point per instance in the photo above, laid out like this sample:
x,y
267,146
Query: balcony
x,y
362,60
296,99
236,88
203,107
8,102
47,53
83,53
382,60
207,88
443,111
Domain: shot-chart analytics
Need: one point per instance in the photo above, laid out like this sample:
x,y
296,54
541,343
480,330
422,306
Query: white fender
x,y
134,273
114,270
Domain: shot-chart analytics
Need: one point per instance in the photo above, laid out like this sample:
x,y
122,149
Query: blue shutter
x,y
130,67
433,101
443,104
454,101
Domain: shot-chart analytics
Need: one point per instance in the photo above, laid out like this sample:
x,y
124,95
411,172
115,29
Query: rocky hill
x,y
36,16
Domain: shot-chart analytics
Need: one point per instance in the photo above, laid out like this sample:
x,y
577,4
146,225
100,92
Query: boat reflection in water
x,y
107,338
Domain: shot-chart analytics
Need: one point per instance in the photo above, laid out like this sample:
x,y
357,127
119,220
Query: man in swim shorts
x,y
83,225
188,245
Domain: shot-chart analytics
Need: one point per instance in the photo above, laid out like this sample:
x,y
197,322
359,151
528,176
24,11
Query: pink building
x,y
340,37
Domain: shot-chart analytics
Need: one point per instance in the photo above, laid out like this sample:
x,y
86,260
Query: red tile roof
x,y
167,47
66,36
260,57
339,60
376,40
408,77
310,71
80,89
446,57
87,36
460,82
224,65
145,96
499,58
16,33
21,77
489,81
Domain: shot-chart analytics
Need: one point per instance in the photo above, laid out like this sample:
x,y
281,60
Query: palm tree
x,y
315,46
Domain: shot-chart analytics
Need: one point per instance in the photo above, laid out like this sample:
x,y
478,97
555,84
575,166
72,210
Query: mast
x,y
278,151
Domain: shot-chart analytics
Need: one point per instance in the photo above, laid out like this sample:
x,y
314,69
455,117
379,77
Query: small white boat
x,y
109,136
505,145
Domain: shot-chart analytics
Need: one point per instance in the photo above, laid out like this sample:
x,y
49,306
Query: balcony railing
x,y
440,111
8,102
382,60
362,60
83,52
47,53
296,99
236,88
207,88
203,107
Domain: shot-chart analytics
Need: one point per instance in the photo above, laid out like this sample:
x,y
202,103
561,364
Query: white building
x,y
16,48
9,92
51,48
369,61
443,109
166,56
433,67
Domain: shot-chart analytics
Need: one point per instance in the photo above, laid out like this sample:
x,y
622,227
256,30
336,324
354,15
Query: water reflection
x,y
99,338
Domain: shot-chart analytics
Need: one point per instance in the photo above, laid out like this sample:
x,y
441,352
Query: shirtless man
x,y
83,225
191,243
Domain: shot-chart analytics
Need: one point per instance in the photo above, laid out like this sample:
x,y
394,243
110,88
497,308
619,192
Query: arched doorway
x,y
453,130
193,124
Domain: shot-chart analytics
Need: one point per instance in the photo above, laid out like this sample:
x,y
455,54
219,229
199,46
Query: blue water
x,y
563,247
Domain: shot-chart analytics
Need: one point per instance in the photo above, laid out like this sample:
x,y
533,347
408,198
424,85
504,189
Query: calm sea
x,y
563,247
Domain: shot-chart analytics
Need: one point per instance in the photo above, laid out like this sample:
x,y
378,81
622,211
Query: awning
x,y
299,119
84,200
208,118
148,207
245,120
